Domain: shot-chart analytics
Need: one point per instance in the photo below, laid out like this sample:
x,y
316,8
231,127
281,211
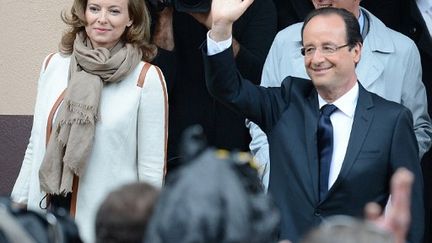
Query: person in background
x,y
181,34
390,67
319,169
124,214
413,18
291,12
101,113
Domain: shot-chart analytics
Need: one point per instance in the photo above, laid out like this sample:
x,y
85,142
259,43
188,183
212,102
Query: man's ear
x,y
356,51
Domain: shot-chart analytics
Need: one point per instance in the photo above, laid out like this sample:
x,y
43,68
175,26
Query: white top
x,y
129,145
342,120
425,7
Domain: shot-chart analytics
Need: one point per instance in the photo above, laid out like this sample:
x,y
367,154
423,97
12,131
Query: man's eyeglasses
x,y
324,50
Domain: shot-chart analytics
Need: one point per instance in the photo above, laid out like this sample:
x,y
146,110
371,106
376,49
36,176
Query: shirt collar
x,y
346,103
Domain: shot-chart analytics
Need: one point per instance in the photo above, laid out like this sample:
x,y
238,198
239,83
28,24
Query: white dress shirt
x,y
215,47
342,120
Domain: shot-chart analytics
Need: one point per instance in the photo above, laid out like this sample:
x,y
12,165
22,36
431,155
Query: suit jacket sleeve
x,y
260,105
404,154
271,77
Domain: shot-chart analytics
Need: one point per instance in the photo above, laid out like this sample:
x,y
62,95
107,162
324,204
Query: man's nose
x,y
317,56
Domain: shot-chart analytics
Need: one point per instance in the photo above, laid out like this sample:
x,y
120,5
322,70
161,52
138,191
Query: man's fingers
x,y
372,211
401,184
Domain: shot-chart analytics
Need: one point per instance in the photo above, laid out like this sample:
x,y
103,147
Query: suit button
x,y
317,212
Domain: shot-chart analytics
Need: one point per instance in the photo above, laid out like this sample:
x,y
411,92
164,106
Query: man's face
x,y
351,5
328,61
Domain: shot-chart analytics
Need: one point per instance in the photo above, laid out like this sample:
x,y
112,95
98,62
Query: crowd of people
x,y
336,95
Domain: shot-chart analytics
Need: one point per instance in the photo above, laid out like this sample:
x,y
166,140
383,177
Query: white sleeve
x,y
414,98
20,191
260,149
214,47
152,128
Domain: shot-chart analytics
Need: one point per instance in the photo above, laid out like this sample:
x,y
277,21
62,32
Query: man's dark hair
x,y
123,215
352,27
213,199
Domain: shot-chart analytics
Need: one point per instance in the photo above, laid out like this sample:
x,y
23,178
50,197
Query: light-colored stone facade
x,y
30,29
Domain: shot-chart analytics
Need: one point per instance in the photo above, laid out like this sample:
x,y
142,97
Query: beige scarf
x,y
73,133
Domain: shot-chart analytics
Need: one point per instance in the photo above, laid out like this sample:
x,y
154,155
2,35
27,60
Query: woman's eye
x,y
93,9
114,11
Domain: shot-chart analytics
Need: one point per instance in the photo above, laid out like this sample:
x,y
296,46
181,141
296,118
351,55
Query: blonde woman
x,y
101,113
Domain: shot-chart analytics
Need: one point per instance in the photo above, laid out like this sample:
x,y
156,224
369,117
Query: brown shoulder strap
x,y
163,84
51,116
142,75
48,60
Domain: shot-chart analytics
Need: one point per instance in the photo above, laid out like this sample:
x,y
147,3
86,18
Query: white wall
x,y
29,30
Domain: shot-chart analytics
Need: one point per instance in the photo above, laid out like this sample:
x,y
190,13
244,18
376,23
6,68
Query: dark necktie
x,y
325,147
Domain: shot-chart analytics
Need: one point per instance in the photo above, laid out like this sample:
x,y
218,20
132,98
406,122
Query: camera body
x,y
191,6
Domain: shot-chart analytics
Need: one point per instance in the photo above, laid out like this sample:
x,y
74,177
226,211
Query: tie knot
x,y
328,109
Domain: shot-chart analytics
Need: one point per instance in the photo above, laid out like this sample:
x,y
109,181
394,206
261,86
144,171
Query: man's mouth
x,y
320,69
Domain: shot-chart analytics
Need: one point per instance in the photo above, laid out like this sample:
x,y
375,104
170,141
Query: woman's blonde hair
x,y
138,33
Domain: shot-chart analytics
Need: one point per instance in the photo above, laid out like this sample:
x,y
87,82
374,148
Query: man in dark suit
x,y
372,137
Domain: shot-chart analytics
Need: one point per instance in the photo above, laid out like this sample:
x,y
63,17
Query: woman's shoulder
x,y
148,72
55,58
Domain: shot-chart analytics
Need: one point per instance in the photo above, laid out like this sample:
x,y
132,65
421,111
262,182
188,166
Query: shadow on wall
x,y
14,135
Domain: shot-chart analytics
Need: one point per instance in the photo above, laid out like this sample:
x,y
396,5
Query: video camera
x,y
193,6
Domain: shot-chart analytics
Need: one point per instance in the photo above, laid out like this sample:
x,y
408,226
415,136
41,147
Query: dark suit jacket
x,y
382,139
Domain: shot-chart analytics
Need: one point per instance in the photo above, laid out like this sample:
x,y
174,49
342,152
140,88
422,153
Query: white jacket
x,y
130,140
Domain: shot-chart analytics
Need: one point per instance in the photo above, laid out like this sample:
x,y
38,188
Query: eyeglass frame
x,y
325,53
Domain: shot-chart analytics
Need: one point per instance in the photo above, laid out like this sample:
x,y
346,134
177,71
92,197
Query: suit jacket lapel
x,y
311,121
363,118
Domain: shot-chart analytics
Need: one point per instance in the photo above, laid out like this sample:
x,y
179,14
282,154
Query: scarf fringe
x,y
71,104
88,113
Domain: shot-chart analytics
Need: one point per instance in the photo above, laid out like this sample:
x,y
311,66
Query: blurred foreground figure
x,y
19,225
217,197
125,212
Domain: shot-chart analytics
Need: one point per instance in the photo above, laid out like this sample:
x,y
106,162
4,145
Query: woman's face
x,y
106,21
